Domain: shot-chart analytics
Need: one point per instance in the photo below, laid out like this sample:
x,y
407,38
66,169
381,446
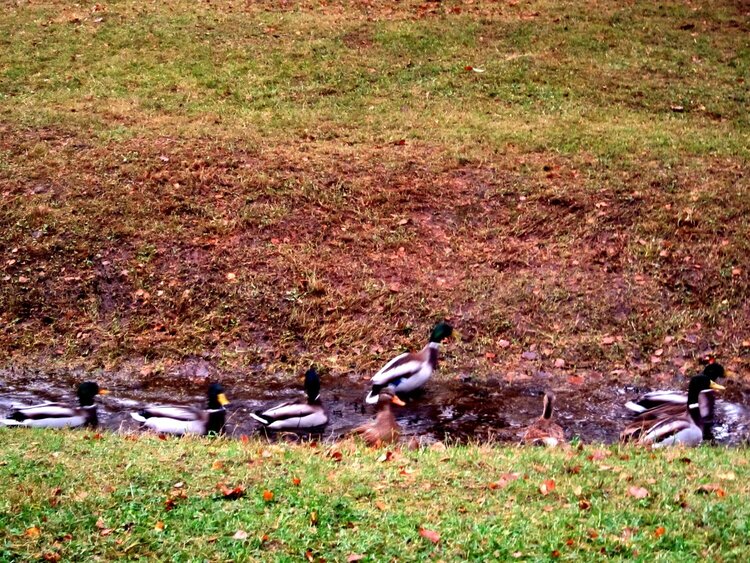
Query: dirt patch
x,y
162,249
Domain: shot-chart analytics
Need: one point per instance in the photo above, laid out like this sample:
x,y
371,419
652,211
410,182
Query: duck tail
x,y
9,422
260,419
635,407
138,417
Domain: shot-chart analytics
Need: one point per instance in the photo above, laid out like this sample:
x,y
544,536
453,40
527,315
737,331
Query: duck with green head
x,y
306,414
58,415
410,370
179,420
669,424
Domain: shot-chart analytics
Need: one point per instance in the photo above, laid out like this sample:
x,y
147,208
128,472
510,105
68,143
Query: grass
x,y
76,495
269,186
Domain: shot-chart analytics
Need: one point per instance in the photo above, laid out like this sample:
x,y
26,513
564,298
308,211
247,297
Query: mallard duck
x,y
410,370
544,431
384,429
669,424
713,371
166,419
58,415
305,414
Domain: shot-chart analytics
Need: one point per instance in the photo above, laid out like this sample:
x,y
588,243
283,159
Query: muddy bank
x,y
460,409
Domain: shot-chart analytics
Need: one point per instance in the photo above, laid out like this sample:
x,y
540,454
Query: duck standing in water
x,y
58,415
178,420
669,424
410,370
384,429
544,431
305,414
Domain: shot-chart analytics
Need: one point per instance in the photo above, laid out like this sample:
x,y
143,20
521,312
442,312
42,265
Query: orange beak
x,y
397,401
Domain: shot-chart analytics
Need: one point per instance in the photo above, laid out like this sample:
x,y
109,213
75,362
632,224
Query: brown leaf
x,y
100,524
159,526
244,439
583,504
711,488
217,465
387,456
555,554
267,496
431,535
503,481
607,340
231,493
240,535
637,492
599,455
547,487
309,555
380,505
314,518
336,456
659,532
352,557
296,481
32,532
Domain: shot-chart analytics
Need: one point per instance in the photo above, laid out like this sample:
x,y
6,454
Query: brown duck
x,y
544,431
384,429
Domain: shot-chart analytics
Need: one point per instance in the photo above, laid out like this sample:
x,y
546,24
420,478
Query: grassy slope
x,y
550,201
104,496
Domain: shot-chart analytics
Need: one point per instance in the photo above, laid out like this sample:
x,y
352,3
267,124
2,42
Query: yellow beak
x,y
397,401
716,386
222,398
103,392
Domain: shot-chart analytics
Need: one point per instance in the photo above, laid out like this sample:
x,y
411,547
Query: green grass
x,y
558,75
106,496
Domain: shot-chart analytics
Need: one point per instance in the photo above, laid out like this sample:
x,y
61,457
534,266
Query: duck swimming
x,y
178,420
411,370
58,415
305,414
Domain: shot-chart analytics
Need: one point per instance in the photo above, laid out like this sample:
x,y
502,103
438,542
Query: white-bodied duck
x,y
306,414
58,415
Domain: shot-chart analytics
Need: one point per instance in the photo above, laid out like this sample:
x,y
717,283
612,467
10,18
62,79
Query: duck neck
x,y
547,411
216,419
432,353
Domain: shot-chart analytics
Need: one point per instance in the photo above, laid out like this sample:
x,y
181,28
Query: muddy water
x,y
457,410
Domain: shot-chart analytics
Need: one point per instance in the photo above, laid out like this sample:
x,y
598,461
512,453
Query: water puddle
x,y
458,410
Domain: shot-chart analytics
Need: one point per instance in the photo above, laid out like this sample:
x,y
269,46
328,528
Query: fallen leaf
x,y
559,363
431,535
599,455
583,504
159,526
711,488
32,532
314,518
380,505
100,524
607,340
231,493
244,439
547,487
217,465
577,490
352,557
503,481
637,492
728,476
296,481
555,554
240,535
659,532
309,555
503,343
336,456
387,456
267,496
529,355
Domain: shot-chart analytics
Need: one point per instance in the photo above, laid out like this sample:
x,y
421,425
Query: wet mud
x,y
457,410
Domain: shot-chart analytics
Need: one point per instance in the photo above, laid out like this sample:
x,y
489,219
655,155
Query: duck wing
x,y
674,430
290,409
400,367
185,414
46,410
657,399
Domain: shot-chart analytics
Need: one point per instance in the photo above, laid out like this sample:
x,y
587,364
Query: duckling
x,y
410,370
544,431
384,429
713,370
58,415
166,419
305,414
662,426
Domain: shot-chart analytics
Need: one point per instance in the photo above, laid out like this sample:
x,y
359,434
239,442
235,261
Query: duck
x,y
669,424
544,431
179,420
58,415
713,370
410,370
384,429
306,414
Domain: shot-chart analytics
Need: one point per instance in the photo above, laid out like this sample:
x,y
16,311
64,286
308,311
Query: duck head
x,y
698,407
216,397
87,391
388,396
441,332
312,385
